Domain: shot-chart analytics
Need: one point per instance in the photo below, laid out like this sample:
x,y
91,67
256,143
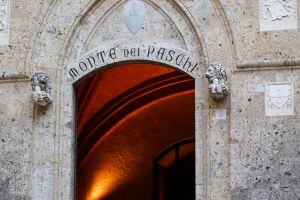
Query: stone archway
x,y
74,31
126,115
187,56
191,69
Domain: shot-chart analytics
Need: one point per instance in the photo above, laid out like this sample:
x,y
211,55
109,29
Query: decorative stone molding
x,y
270,64
217,78
12,75
41,89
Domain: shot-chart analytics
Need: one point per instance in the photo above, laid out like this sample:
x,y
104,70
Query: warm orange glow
x,y
106,180
96,194
107,170
119,164
99,189
113,81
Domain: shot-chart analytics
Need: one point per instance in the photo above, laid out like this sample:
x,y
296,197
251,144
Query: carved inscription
x,y
278,14
279,99
101,58
4,22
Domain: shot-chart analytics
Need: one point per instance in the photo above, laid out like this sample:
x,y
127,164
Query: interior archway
x,y
126,115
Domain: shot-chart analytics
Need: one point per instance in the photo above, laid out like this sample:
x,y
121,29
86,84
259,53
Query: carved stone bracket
x,y
41,89
217,77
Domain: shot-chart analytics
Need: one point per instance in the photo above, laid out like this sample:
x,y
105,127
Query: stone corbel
x,y
217,77
41,89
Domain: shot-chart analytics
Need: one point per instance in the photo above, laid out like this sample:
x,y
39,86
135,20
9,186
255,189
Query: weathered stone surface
x,y
15,141
241,152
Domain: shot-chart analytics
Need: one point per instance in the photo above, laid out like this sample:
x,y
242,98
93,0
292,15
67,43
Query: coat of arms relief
x,y
279,99
278,14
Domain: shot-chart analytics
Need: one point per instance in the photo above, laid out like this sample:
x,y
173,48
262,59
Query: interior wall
x,y
119,165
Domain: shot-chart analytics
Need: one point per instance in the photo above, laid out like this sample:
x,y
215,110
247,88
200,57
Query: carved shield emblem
x,y
279,95
279,99
134,15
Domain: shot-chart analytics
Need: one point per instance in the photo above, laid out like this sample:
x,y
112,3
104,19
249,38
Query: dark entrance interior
x,y
127,116
174,172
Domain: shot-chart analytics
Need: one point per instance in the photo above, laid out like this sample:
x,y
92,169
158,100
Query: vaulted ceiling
x,y
126,116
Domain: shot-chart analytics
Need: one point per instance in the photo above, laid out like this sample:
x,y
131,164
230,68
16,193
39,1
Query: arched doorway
x,y
126,115
174,172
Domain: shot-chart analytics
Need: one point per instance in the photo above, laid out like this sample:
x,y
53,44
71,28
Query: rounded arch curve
x,y
129,62
156,85
153,111
56,52
147,53
78,16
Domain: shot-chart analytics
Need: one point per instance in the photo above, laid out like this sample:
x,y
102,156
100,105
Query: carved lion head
x,y
41,79
41,89
216,71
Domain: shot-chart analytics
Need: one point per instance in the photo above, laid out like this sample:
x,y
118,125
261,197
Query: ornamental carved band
x,y
41,89
217,77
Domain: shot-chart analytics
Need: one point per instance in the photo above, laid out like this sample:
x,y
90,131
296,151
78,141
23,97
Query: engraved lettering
x,y
179,59
73,73
101,54
92,61
161,53
126,53
112,53
151,50
170,55
187,62
133,52
83,66
193,68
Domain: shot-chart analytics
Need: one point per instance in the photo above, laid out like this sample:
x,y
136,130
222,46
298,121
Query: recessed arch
x,y
125,62
59,52
128,101
117,5
101,57
176,159
142,115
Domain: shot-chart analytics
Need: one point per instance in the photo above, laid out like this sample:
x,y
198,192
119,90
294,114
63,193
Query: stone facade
x,y
241,153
